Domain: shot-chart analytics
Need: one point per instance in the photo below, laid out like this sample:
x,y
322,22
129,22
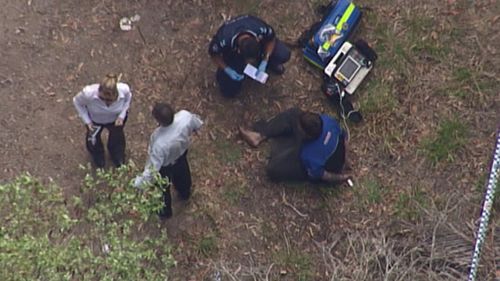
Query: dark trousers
x,y
286,142
116,145
285,163
229,87
179,175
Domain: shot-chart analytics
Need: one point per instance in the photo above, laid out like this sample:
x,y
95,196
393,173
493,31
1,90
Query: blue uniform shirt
x,y
314,154
224,41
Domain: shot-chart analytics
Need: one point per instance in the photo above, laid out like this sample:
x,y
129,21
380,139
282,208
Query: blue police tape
x,y
485,215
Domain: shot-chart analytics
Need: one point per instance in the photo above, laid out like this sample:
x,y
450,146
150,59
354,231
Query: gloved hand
x,y
263,66
233,74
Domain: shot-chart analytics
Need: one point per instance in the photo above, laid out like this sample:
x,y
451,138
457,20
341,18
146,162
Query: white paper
x,y
255,74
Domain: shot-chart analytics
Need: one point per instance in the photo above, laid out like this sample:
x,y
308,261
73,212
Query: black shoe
x,y
277,69
118,164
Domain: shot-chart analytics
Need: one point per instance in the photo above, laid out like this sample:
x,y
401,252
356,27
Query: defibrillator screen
x,y
349,68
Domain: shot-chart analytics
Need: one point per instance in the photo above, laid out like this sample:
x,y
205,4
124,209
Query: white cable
x,y
341,95
486,212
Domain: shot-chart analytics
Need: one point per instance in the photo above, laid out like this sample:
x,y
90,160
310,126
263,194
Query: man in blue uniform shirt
x,y
308,146
242,40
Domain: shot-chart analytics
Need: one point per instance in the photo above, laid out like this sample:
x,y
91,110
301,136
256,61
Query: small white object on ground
x,y
125,24
350,183
252,72
135,18
105,248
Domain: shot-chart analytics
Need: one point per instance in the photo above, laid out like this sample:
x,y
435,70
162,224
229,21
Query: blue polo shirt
x,y
224,40
314,154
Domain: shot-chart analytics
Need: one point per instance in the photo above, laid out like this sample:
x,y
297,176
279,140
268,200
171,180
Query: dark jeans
x,y
116,145
229,87
179,175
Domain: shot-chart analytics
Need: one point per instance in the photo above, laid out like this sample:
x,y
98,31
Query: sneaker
x,y
277,69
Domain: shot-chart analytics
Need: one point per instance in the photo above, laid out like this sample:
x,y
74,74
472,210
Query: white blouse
x,y
94,110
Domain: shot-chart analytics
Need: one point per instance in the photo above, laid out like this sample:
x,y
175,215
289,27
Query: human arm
x,y
233,74
125,89
269,42
218,61
195,123
153,165
269,48
216,50
333,177
80,102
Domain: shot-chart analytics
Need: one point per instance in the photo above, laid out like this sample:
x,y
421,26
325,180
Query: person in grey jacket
x,y
167,153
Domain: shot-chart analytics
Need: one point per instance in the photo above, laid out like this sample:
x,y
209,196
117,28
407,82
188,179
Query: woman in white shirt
x,y
100,106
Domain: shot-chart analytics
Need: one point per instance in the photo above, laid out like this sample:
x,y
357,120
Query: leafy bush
x,y
94,236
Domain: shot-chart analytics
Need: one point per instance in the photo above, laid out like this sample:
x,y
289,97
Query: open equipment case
x,y
345,65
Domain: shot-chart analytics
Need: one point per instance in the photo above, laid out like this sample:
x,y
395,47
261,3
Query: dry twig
x,y
283,197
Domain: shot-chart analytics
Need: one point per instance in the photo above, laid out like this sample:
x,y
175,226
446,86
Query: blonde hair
x,y
107,88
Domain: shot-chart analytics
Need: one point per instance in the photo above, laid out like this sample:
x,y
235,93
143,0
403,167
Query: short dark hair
x,y
249,47
311,124
163,113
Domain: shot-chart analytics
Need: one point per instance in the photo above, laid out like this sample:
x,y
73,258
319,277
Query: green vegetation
x,y
234,190
248,6
94,236
368,193
409,204
207,245
378,97
462,75
299,262
465,82
451,136
229,152
419,36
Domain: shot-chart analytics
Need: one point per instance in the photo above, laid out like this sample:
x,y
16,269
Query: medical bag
x,y
326,37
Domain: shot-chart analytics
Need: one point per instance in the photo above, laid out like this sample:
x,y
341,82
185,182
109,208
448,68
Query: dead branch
x,y
283,197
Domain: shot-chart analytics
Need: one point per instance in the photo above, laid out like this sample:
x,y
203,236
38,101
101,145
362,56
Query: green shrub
x,y
94,236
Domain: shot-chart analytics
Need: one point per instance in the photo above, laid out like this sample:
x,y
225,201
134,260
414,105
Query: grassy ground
x,y
431,107
420,157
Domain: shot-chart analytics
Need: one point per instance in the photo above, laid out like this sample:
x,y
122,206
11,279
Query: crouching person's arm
x,y
334,178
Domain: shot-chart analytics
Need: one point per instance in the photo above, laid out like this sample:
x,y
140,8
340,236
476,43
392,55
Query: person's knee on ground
x,y
279,57
228,87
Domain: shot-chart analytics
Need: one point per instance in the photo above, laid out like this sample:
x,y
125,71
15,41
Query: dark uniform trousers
x,y
230,87
179,175
116,145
